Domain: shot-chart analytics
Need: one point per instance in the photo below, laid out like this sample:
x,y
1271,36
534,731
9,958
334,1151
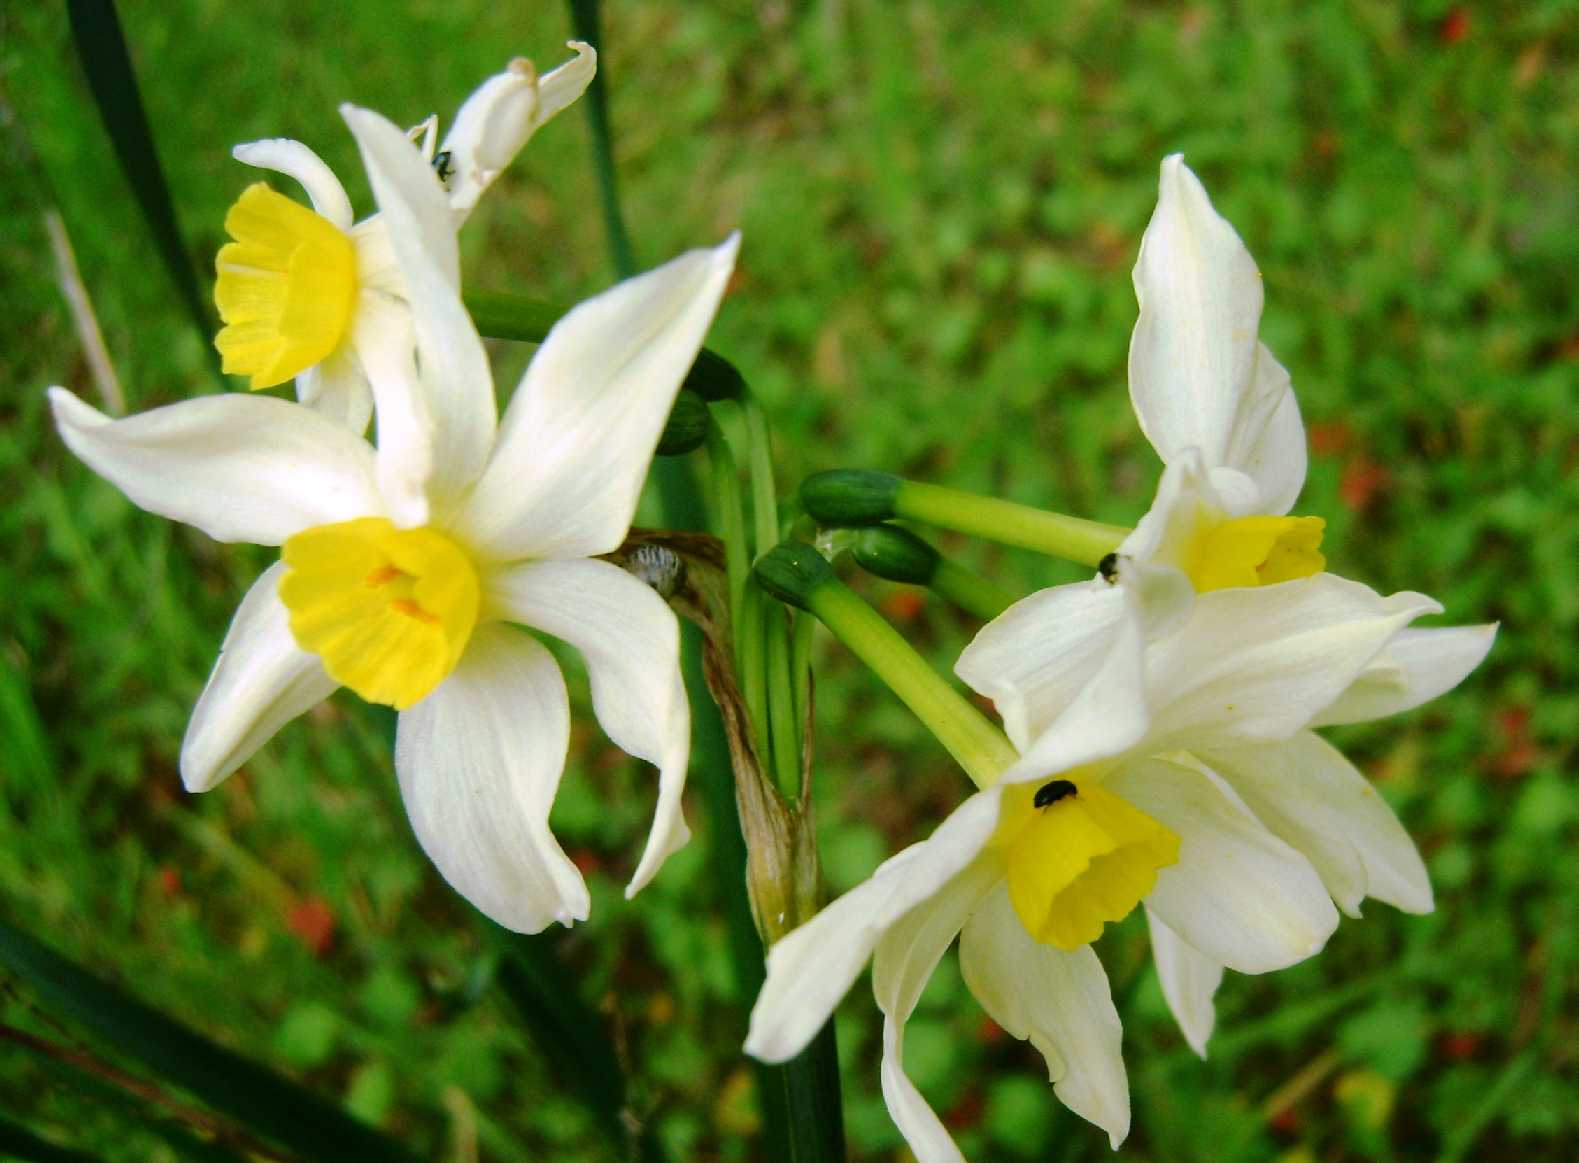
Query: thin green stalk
x,y
751,645
764,498
731,514
978,746
970,591
1072,538
783,724
584,17
805,627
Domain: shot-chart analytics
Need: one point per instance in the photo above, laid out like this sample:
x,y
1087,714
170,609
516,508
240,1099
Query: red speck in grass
x,y
1518,753
967,1111
1362,479
989,1032
1285,1121
1454,26
312,923
904,605
586,861
1457,1047
170,881
1330,438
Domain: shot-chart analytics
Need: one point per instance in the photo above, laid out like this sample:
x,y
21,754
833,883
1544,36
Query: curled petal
x,y
240,468
580,432
502,115
261,681
813,967
1189,982
1415,667
296,160
631,642
1060,1002
1238,894
479,761
337,389
1309,795
1267,442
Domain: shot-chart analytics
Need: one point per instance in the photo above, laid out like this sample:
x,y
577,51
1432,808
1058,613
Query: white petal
x,y
580,431
1189,981
904,960
501,116
1268,438
1191,357
1415,667
1257,664
240,468
1033,659
261,681
1106,718
479,761
1238,894
1308,794
382,339
295,160
1187,504
631,641
455,376
813,967
337,388
1060,1001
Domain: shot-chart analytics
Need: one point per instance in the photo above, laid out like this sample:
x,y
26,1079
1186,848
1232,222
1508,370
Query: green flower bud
x,y
850,496
686,429
792,571
714,378
896,554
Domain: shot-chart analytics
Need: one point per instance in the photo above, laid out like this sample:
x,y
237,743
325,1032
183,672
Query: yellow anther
x,y
1079,857
285,289
388,610
1257,551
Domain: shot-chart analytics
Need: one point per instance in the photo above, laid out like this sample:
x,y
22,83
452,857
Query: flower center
x,y
1082,857
285,289
388,610
1257,551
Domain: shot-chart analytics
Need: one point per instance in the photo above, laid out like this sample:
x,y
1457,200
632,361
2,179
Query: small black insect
x,y
1051,793
1108,567
441,165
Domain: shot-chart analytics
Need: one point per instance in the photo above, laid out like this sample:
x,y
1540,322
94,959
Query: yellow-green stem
x,y
1072,538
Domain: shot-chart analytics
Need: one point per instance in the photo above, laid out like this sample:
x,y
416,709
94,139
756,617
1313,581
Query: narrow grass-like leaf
x,y
573,1040
17,1142
255,1096
101,46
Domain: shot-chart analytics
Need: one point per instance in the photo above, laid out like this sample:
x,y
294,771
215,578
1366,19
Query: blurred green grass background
x,y
940,205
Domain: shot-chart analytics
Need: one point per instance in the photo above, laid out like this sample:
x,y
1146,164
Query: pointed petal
x,y
1192,354
1238,894
295,160
240,468
1258,664
903,962
1415,667
813,967
1060,1002
502,115
385,351
580,431
479,761
1106,718
1033,659
261,681
631,642
1309,795
1189,981
1268,438
456,381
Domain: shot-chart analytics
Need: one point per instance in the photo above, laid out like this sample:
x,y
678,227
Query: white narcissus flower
x,y
403,567
314,296
1108,806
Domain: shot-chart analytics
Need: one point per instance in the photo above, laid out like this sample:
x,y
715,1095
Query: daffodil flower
x,y
1108,806
407,569
314,296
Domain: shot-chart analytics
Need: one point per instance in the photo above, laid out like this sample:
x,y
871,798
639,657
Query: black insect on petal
x,y
1108,567
1051,793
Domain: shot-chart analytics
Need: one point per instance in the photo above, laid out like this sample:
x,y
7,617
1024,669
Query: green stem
x,y
584,17
751,646
731,514
1072,538
782,722
800,663
978,746
970,591
764,499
